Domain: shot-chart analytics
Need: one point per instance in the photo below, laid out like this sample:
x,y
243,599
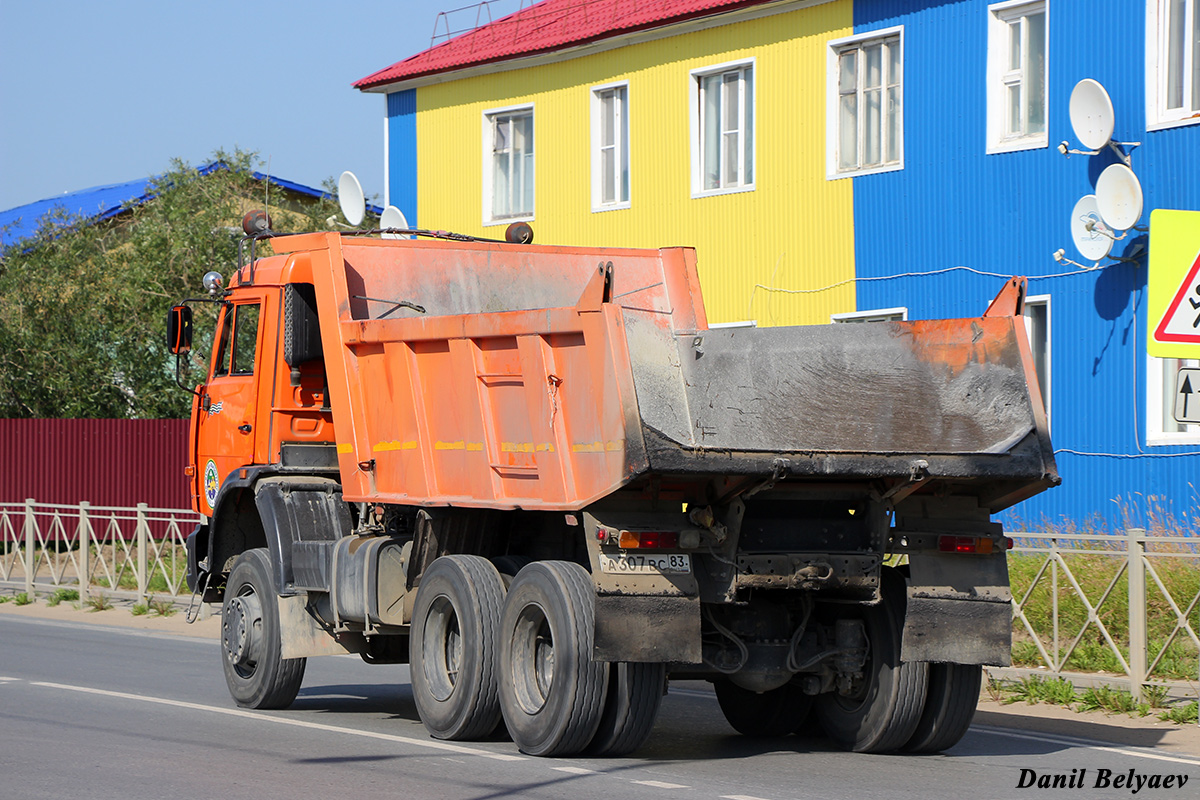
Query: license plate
x,y
646,564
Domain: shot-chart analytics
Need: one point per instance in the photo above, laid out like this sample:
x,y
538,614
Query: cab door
x,y
228,411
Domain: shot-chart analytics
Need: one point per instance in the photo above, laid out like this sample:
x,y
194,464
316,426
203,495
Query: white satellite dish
x,y
350,198
1091,113
1119,197
1091,235
392,217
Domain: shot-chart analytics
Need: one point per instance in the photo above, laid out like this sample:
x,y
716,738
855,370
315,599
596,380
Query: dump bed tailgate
x,y
948,399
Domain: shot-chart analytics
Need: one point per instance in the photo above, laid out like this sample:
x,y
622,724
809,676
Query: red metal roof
x,y
548,26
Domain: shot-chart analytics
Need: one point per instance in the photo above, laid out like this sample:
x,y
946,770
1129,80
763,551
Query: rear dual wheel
x,y
761,715
950,704
883,710
551,691
452,641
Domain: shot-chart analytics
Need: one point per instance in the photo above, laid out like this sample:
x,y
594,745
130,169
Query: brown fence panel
x,y
108,462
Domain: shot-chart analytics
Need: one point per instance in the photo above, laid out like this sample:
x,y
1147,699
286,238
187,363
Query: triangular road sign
x,y
1181,322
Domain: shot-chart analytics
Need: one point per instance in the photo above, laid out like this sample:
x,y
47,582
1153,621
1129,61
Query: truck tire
x,y
635,692
778,712
257,676
452,647
883,713
551,692
949,707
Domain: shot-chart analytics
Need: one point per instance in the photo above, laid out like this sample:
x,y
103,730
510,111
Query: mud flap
x,y
301,636
959,610
647,629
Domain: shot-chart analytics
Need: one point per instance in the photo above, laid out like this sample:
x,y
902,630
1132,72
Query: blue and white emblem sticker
x,y
212,482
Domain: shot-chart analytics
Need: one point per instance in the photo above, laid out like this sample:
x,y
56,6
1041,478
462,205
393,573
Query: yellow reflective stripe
x,y
383,447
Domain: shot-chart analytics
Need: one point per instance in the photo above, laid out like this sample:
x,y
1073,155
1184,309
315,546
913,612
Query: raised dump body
x,y
536,474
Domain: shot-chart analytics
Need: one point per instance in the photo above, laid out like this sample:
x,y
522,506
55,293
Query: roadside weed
x,y
98,602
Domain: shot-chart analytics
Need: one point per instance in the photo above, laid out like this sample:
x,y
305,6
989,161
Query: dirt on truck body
x,y
535,474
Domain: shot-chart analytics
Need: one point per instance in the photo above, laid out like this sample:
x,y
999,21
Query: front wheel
x,y
257,675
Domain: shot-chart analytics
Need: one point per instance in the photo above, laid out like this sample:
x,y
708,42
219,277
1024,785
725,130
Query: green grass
x,y
97,601
139,609
1182,714
61,595
23,599
163,608
1059,691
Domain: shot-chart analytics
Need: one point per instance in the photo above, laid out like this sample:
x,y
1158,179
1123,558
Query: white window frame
x,y
897,314
1001,78
1158,116
1044,386
695,109
620,148
488,116
1161,427
833,51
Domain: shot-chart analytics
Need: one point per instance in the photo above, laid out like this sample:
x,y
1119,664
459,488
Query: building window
x,y
1173,63
1162,401
865,113
723,129
508,165
1037,331
1016,75
610,147
875,315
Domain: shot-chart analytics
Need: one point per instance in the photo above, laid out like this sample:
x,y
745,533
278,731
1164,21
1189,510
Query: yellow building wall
x,y
793,232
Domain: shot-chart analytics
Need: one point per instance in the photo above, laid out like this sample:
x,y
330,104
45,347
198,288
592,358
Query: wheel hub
x,y
241,630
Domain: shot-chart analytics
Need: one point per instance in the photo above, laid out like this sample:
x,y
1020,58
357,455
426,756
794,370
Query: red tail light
x,y
982,545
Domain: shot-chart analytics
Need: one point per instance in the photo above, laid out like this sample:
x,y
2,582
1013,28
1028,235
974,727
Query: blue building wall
x,y
955,206
402,152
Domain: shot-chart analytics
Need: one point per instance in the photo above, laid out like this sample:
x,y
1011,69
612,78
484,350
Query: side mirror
x,y
179,329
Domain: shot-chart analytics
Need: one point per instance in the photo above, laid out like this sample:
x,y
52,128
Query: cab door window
x,y
236,353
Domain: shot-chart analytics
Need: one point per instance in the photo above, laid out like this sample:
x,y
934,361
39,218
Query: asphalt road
x,y
97,712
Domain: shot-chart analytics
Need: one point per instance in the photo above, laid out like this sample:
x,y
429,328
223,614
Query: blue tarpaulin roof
x,y
101,202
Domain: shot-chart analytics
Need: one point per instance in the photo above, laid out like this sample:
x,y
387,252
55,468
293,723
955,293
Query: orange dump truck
x,y
536,475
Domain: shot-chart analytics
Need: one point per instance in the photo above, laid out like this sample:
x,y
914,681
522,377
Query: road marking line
x,y
1088,743
740,797
575,770
296,723
661,785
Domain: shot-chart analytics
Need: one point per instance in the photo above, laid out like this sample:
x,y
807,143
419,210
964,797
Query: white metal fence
x,y
136,553
1131,596
122,553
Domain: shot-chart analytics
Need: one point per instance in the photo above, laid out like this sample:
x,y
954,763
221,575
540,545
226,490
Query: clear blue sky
x,y
107,91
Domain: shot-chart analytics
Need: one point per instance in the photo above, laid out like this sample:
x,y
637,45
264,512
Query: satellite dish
x,y
1091,235
350,198
1119,197
393,217
1091,113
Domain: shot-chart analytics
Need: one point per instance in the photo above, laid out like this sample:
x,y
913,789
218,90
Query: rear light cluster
x,y
633,540
982,545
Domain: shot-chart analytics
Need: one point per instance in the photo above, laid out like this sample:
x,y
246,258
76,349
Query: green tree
x,y
83,305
